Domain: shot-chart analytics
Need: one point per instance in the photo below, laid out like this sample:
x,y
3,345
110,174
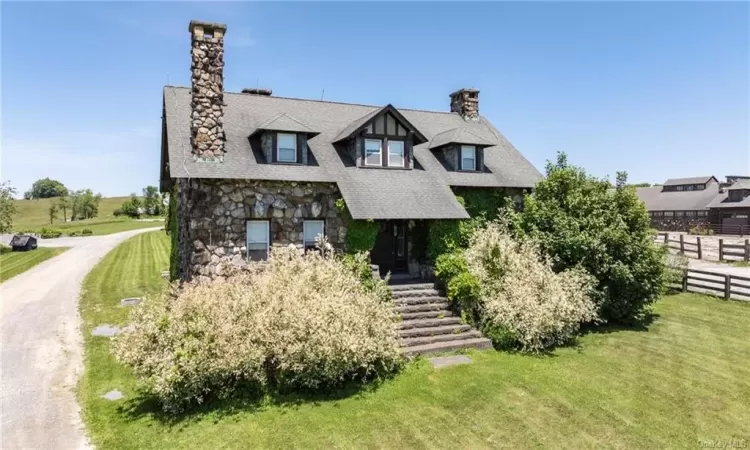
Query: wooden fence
x,y
687,248
718,284
734,252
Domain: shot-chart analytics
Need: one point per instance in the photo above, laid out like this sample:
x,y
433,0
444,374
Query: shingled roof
x,y
656,199
368,192
691,180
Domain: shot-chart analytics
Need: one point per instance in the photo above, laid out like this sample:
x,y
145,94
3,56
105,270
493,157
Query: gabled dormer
x,y
461,149
738,191
283,140
381,139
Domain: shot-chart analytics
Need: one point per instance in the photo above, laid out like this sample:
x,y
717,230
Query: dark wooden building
x,y
23,243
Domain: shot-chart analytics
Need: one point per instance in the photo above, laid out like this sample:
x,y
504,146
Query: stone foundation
x,y
213,215
679,223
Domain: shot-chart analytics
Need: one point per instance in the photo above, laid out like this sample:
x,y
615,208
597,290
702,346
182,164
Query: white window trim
x,y
380,153
304,227
278,143
403,154
461,156
247,237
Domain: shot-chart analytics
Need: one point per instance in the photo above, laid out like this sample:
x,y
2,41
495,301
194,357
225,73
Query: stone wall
x,y
678,223
213,215
207,81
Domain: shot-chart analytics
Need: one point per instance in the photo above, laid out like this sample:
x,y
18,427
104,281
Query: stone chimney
x,y
207,82
466,103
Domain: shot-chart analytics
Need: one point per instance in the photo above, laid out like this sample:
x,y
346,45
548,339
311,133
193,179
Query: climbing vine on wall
x,y
360,234
174,257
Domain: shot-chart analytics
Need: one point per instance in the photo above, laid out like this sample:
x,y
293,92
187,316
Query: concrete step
x,y
448,346
416,293
422,323
411,286
419,300
417,307
424,340
407,333
437,314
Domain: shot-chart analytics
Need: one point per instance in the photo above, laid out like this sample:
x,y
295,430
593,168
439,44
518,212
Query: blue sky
x,y
657,89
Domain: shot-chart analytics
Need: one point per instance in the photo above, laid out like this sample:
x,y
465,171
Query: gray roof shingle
x,y
658,200
458,136
691,180
739,185
285,122
370,193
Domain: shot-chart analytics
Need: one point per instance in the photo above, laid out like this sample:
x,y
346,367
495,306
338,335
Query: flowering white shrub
x,y
522,296
296,321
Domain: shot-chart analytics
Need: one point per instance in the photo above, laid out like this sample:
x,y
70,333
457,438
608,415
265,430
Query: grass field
x,y
686,378
34,214
14,263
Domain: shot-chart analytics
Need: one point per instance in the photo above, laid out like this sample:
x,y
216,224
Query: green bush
x,y
701,230
464,290
359,265
450,265
299,321
501,336
580,221
87,232
360,234
50,233
5,249
75,233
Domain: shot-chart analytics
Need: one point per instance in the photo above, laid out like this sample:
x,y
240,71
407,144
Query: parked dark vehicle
x,y
23,243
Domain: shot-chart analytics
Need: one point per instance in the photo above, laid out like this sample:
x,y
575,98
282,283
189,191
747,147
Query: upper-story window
x,y
286,147
373,152
396,153
468,157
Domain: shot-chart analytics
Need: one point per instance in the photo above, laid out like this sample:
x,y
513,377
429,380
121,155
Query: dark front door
x,y
390,251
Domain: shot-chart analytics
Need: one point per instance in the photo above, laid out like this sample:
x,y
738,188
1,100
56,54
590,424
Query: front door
x,y
390,251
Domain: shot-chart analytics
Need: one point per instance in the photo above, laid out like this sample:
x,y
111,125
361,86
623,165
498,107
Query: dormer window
x,y
395,153
373,152
286,147
468,157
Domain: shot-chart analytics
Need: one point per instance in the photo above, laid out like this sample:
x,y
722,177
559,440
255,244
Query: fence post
x,y
747,250
727,286
700,251
721,249
682,244
666,239
684,280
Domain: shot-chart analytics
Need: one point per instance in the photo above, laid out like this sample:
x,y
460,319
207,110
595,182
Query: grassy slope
x,y
684,379
34,214
14,263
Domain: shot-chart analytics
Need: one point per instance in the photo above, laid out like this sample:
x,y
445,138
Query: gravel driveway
x,y
41,355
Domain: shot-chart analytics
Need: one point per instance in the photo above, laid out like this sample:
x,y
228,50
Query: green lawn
x,y
14,263
685,378
34,214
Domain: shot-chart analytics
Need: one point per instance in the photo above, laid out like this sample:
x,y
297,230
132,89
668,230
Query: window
x,y
258,240
286,147
311,229
468,157
668,213
689,213
702,213
678,213
372,152
740,216
396,153
657,213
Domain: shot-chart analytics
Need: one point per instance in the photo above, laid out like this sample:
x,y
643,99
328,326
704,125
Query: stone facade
x,y
207,80
679,223
212,217
466,103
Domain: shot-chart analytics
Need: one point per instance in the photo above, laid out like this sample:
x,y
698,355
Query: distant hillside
x,y
35,213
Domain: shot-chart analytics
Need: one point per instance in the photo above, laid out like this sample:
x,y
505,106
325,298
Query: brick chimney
x,y
207,82
466,103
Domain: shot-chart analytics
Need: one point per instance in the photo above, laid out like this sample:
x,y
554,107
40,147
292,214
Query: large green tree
x,y
580,220
7,207
84,204
46,188
152,201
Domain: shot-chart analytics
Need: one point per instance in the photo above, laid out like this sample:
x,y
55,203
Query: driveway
x,y
41,354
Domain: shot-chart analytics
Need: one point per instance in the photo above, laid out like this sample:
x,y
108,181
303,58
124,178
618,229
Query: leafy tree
x,y
27,195
580,220
638,185
7,207
152,202
63,203
84,204
130,207
52,213
47,188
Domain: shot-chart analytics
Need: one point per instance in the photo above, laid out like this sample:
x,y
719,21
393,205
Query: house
x,y
250,170
684,203
681,203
